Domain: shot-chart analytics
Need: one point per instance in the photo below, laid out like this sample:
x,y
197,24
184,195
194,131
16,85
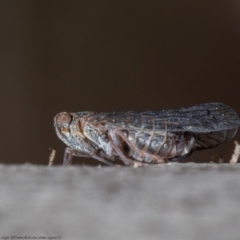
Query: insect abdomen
x,y
163,144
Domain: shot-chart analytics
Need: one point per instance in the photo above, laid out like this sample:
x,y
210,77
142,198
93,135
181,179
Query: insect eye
x,y
63,119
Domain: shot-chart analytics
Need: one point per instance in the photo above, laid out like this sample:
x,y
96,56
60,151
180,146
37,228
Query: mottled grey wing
x,y
213,139
212,123
202,118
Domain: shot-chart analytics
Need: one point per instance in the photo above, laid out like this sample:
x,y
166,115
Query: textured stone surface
x,y
173,201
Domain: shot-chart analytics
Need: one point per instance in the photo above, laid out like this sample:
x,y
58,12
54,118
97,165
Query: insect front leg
x,y
69,153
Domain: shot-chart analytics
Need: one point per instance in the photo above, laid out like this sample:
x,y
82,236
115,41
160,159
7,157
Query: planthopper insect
x,y
145,137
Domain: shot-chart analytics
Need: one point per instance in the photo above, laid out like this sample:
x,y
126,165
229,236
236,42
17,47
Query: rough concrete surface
x,y
172,201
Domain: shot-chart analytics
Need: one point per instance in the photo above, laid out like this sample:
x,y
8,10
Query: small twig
x,y
236,153
52,156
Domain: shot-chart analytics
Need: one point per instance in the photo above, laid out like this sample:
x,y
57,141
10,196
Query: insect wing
x,y
212,123
202,118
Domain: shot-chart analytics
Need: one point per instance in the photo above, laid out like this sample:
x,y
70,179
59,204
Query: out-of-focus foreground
x,y
172,201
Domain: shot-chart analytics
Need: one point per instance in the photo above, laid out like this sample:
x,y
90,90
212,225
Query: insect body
x,y
145,137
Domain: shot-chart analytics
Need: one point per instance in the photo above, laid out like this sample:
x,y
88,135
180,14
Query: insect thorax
x,y
98,137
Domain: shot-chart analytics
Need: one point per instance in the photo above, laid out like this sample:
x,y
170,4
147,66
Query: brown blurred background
x,y
111,56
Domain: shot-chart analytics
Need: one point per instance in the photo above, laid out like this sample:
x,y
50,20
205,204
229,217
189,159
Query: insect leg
x,y
69,153
103,160
158,159
117,145
112,158
105,156
67,159
126,160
